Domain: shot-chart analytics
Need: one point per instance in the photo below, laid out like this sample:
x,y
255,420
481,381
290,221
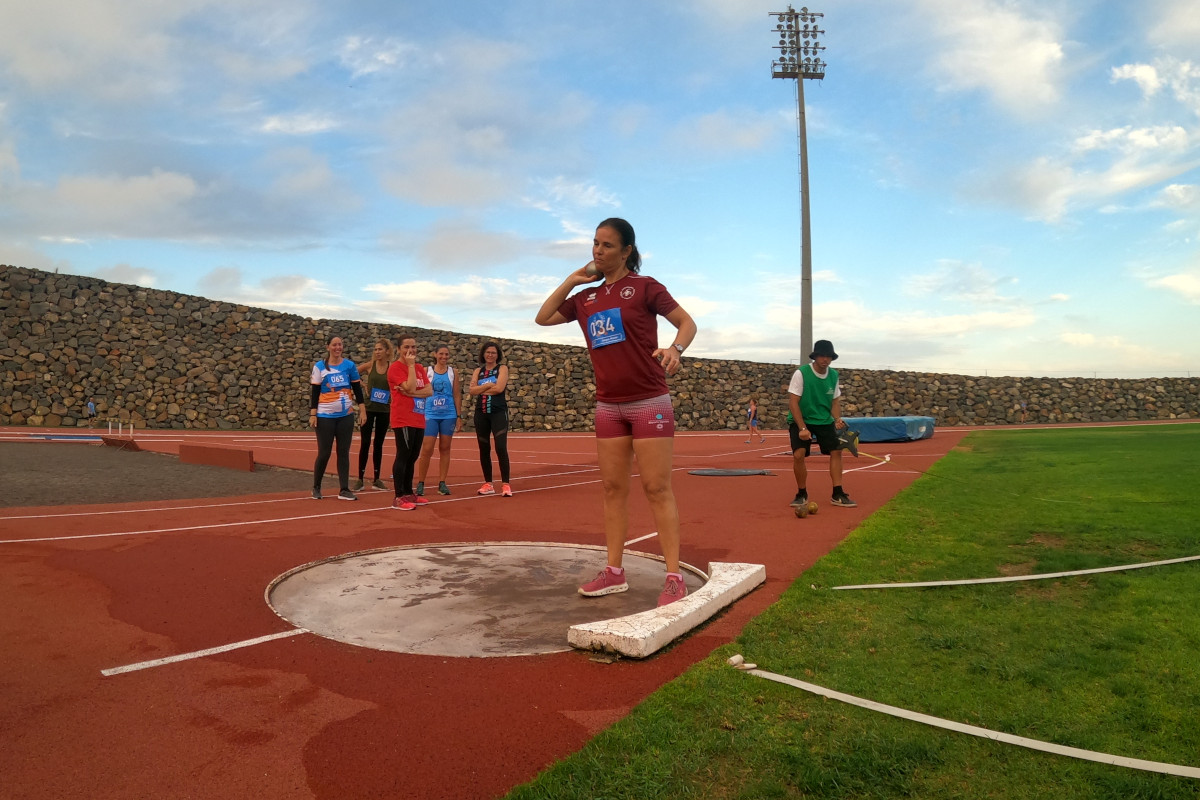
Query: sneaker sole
x,y
346,498
843,505
606,590
798,503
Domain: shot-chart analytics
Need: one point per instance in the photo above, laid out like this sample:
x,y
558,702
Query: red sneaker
x,y
607,582
506,490
675,589
417,500
486,489
402,505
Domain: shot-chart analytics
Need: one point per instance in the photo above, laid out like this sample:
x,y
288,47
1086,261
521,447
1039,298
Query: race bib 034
x,y
605,328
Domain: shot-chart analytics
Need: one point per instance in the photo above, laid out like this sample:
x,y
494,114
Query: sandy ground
x,y
67,473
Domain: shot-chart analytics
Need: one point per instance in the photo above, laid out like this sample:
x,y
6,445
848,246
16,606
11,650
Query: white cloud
x,y
1144,75
1133,141
1181,77
293,294
122,205
1184,284
464,246
300,124
1099,347
997,48
1177,23
723,131
575,194
960,282
1178,197
301,173
127,273
364,55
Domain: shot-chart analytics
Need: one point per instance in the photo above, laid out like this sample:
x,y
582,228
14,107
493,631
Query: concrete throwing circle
x,y
486,599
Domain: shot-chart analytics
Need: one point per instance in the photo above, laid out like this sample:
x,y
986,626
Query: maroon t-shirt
x,y
620,323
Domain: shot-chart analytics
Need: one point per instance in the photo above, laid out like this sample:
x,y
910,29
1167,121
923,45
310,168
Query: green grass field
x,y
1105,662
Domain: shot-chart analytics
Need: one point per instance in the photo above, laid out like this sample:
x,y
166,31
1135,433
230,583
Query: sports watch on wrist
x,y
678,347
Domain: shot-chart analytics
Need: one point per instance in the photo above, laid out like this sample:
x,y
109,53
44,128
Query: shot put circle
x,y
463,599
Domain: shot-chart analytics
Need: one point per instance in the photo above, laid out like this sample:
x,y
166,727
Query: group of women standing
x,y
421,406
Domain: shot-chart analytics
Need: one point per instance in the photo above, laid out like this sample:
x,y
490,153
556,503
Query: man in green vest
x,y
815,400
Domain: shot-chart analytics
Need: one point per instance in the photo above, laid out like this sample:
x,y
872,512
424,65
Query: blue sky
x,y
998,186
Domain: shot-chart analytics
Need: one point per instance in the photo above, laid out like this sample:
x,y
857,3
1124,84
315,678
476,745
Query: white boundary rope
x,y
1013,578
996,736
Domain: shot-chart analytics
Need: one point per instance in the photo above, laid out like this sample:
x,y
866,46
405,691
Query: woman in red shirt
x,y
410,386
634,416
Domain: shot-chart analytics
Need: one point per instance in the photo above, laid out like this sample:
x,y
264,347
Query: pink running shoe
x,y
506,490
607,582
675,589
402,504
486,489
417,500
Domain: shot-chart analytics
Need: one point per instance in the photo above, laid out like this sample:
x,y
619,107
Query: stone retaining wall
x,y
165,360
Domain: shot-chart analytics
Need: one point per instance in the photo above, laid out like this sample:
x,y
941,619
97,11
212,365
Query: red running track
x,y
100,587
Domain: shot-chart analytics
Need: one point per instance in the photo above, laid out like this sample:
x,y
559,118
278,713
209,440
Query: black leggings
x,y
493,424
377,421
329,429
408,449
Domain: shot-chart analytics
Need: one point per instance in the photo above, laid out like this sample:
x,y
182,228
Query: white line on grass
x,y
158,662
996,736
1012,578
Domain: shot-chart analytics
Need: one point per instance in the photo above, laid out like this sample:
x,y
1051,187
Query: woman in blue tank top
x,y
441,420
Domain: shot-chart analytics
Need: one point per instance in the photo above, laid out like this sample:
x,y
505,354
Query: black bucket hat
x,y
823,347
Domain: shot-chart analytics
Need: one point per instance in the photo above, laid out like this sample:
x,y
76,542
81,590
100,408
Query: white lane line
x,y
996,736
641,538
225,648
243,523
1013,578
190,527
165,508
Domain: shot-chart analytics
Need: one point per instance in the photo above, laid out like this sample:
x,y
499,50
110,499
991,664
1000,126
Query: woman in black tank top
x,y
488,383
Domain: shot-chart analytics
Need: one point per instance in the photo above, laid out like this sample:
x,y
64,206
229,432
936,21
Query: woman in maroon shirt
x,y
634,417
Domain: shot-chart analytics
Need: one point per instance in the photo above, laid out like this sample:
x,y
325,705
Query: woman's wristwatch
x,y
678,347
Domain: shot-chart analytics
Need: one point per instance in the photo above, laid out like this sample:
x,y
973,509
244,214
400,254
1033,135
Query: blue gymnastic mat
x,y
891,429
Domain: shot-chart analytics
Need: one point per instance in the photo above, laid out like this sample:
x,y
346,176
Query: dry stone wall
x,y
165,360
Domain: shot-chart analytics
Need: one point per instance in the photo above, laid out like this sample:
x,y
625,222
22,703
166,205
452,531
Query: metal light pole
x,y
799,58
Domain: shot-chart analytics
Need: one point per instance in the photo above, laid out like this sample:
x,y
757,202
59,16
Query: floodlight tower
x,y
800,58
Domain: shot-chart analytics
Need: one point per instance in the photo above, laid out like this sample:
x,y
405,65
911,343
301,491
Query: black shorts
x,y
825,435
